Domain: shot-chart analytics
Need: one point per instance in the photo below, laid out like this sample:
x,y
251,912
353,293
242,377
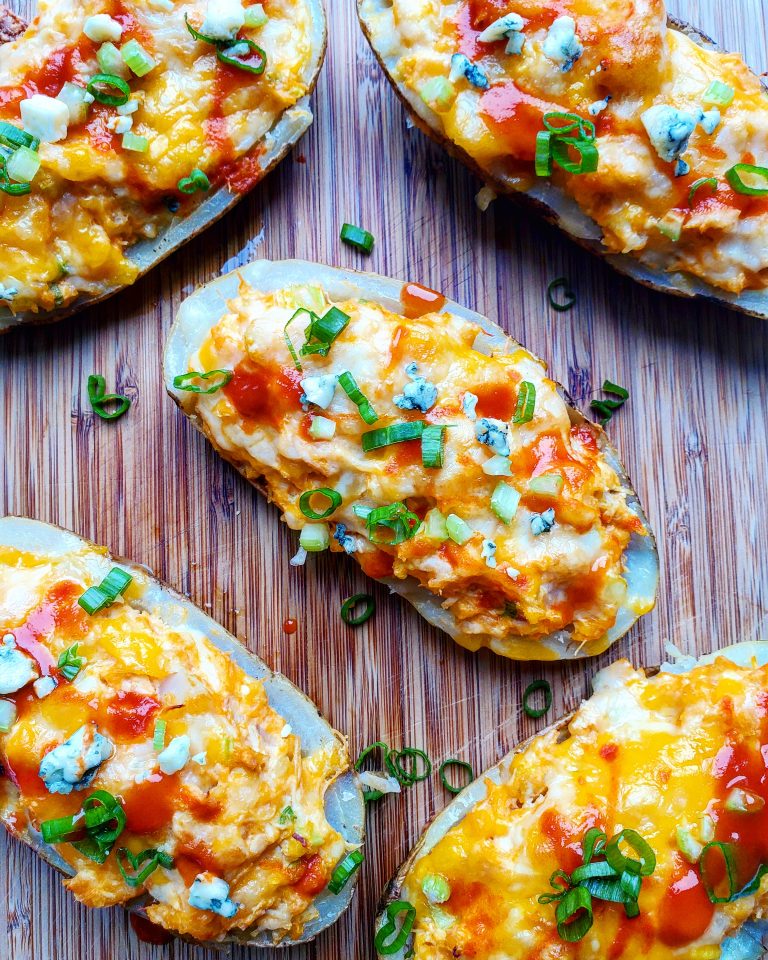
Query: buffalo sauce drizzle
x,y
418,301
263,391
59,610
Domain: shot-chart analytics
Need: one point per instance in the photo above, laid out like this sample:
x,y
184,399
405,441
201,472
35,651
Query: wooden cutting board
x,y
693,437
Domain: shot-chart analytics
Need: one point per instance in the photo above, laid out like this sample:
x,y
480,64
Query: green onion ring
x,y
98,399
394,433
562,283
349,605
543,159
305,503
200,36
593,844
395,517
463,766
289,344
698,184
560,883
574,915
341,875
433,446
733,176
530,690
156,858
585,127
109,80
588,156
184,380
728,851
369,795
408,777
526,403
323,331
230,57
357,237
588,871
197,180
383,944
647,863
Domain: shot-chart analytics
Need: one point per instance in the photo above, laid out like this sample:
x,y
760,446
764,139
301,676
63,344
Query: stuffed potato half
x,y
128,126
154,761
526,862
631,132
415,436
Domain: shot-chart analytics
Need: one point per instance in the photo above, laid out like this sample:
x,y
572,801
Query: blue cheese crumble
x,y
16,668
542,522
211,893
561,45
493,433
468,404
596,108
709,120
419,394
508,27
341,536
669,130
462,66
319,390
74,763
488,553
175,756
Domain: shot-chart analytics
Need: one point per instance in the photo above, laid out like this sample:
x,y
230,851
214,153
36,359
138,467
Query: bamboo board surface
x,y
693,437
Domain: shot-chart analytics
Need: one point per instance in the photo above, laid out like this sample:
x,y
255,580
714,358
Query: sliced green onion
x,y
370,795
187,381
698,184
100,823
60,830
589,871
349,605
137,58
245,55
530,690
104,595
605,408
111,82
323,331
395,517
433,447
615,389
526,403
607,888
407,777
458,530
436,888
69,663
305,503
341,875
321,428
434,527
588,156
255,16
560,883
287,338
350,387
561,284
357,237
647,863
394,433
315,537
546,485
13,136
734,177
287,815
22,165
593,844
12,189
111,64
158,740
197,180
574,915
200,36
504,502
389,939
572,122
543,159
461,765
719,94
156,858
728,853
132,141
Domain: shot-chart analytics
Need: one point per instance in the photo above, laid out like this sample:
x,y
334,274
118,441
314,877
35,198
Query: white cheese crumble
x,y
175,756
101,28
597,107
209,892
223,19
44,686
45,118
488,553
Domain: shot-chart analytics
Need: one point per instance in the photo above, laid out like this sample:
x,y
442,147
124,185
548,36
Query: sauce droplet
x,y
290,625
418,300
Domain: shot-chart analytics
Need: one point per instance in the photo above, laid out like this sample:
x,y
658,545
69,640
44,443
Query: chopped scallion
x,y
355,394
245,55
561,284
531,690
460,765
433,446
389,938
315,537
526,403
735,176
156,858
351,603
99,87
305,503
505,501
137,58
187,381
104,595
197,180
394,433
343,872
357,237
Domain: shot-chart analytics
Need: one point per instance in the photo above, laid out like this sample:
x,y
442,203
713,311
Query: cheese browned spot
x,y
214,799
93,198
567,574
620,59
649,754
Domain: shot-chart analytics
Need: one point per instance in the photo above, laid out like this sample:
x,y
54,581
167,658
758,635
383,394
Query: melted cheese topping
x,y
92,198
651,755
630,56
222,813
569,578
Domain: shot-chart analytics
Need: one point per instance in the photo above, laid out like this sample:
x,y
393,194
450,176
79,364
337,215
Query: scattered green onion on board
x,y
331,495
197,180
99,399
155,858
555,287
343,872
100,85
349,385
104,595
407,776
187,381
390,939
351,603
606,408
357,237
531,690
69,663
460,765
369,795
